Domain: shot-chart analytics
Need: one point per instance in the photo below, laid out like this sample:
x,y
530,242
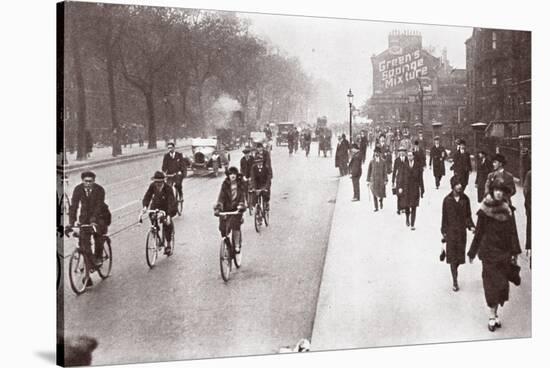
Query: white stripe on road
x,y
125,181
126,205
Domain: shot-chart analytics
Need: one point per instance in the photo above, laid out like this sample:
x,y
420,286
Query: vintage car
x,y
226,138
207,156
282,133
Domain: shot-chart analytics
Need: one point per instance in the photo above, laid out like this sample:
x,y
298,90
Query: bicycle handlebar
x,y
157,211
82,226
229,213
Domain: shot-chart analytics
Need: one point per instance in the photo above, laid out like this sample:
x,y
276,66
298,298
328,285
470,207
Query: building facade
x,y
412,86
498,68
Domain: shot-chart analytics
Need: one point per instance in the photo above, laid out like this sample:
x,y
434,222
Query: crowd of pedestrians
x,y
495,241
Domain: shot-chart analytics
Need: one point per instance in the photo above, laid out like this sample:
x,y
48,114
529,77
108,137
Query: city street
x,y
181,309
383,284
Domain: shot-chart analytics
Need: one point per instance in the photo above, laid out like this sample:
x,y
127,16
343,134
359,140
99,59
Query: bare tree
x,y
147,48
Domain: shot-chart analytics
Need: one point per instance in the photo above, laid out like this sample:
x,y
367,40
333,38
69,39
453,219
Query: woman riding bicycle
x,y
160,196
231,198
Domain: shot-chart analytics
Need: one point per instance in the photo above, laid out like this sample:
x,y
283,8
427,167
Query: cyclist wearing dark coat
x,y
260,178
159,196
231,198
174,163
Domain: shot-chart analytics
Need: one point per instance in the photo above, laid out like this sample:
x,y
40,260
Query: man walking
x,y
355,171
398,167
385,153
341,156
409,188
363,146
462,165
438,154
377,178
484,167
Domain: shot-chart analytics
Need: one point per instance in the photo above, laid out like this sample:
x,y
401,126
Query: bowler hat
x,y
158,176
402,148
500,158
259,144
87,174
354,146
170,144
436,138
246,150
377,150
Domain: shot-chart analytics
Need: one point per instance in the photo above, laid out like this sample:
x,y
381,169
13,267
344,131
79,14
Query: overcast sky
x,y
339,50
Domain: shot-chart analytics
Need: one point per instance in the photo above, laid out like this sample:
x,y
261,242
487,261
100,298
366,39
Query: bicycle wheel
x,y
151,248
104,270
225,259
78,274
257,218
237,237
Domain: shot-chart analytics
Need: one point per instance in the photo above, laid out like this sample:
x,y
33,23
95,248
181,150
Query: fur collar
x,y
499,210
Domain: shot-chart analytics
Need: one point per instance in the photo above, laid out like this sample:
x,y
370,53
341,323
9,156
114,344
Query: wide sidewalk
x,y
383,284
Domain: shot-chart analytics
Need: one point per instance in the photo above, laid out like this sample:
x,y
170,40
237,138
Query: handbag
x,y
513,274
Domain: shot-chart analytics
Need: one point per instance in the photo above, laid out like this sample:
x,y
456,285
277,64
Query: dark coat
x,y
173,165
260,178
246,166
462,166
496,237
386,154
90,206
363,146
355,164
409,179
437,159
163,200
377,177
483,170
341,156
267,161
226,202
397,165
420,156
456,217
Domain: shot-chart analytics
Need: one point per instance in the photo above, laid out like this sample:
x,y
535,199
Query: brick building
x,y
498,68
401,71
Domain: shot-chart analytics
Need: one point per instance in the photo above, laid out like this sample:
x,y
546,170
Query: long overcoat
x,y
341,156
437,160
377,177
456,217
409,179
462,166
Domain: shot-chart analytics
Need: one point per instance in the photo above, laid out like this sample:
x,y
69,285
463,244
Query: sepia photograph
x,y
211,166
237,183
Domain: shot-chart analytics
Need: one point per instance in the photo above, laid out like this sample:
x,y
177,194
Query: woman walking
x,y
377,178
455,219
496,244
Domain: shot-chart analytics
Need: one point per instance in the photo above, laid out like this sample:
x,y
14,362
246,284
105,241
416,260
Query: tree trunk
x,y
112,101
80,101
152,131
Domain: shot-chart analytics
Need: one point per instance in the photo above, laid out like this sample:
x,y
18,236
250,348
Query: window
x,y
494,40
494,76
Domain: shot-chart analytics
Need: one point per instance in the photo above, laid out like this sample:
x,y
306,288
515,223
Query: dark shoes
x,y
455,287
492,324
408,223
376,210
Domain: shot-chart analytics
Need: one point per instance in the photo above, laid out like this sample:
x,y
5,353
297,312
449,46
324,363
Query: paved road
x,y
182,309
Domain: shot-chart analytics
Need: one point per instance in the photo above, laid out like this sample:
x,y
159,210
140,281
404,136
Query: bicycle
x,y
156,237
261,214
79,269
228,255
170,180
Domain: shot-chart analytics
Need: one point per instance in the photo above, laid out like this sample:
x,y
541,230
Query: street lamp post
x,y
350,100
421,101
